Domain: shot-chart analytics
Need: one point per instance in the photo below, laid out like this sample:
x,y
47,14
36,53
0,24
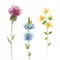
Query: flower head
x,y
41,18
46,10
31,26
14,11
28,36
49,25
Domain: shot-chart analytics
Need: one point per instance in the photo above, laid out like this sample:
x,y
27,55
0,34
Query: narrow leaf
x,y
49,44
46,38
13,37
44,22
25,44
50,32
29,54
8,40
27,47
45,32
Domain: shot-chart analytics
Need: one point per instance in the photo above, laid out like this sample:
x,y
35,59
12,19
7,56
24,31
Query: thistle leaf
x,y
13,37
8,40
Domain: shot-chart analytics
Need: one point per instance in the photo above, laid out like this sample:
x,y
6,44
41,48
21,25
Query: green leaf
x,y
8,40
46,38
27,46
49,43
50,32
44,22
29,54
46,33
13,37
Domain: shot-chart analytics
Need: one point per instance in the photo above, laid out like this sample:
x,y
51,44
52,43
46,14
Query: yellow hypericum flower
x,y
41,18
50,17
49,25
46,10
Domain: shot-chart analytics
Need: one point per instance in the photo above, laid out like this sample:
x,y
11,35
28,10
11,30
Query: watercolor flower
x,y
41,18
49,25
14,11
29,25
46,10
47,22
28,36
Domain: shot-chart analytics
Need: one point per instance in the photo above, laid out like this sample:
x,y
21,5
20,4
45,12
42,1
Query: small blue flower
x,y
31,26
28,36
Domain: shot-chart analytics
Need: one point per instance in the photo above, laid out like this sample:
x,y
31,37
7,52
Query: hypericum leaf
x,y
13,37
46,38
8,40
49,43
45,32
50,32
29,54
44,22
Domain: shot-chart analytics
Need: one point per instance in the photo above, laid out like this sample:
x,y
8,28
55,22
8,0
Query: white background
x,y
32,8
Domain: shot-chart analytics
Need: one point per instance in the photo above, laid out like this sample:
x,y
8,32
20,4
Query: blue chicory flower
x,y
28,36
31,26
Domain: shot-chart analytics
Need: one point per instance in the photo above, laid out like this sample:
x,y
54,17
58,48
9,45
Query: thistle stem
x,y
11,52
11,39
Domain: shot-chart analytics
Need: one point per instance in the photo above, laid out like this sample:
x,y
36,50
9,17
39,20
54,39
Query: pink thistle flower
x,y
14,11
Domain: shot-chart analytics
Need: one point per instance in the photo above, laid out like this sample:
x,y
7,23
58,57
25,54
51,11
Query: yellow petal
x,y
46,10
49,25
41,18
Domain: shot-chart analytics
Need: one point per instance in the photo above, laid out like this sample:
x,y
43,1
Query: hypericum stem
x,y
11,39
47,38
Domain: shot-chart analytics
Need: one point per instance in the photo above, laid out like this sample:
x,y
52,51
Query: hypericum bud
x,y
46,10
50,17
